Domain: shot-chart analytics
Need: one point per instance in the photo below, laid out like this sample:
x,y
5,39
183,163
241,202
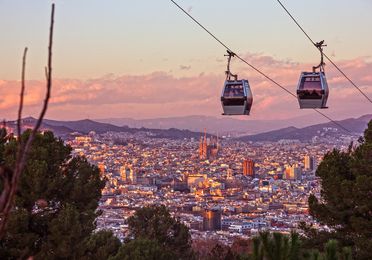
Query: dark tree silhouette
x,y
10,176
155,223
55,204
345,204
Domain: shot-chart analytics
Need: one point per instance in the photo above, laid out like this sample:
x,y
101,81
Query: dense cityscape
x,y
220,188
186,130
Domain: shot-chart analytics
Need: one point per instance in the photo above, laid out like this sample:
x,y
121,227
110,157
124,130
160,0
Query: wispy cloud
x,y
184,67
162,94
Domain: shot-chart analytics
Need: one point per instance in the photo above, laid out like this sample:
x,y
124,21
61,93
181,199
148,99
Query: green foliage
x,y
315,255
346,254
276,246
55,204
156,224
345,203
101,245
258,250
143,249
331,250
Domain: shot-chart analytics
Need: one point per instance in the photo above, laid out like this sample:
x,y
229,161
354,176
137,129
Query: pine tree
x,y
143,249
56,202
155,223
100,245
345,204
276,246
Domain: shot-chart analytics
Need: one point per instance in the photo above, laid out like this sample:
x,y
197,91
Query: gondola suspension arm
x,y
320,46
228,72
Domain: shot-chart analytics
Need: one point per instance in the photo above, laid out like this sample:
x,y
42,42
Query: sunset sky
x,y
146,59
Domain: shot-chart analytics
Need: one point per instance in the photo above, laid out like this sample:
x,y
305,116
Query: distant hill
x,y
87,125
354,125
63,128
29,122
221,125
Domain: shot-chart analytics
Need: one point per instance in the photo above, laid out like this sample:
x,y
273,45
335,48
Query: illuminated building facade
x,y
293,173
212,219
309,163
128,174
248,167
208,147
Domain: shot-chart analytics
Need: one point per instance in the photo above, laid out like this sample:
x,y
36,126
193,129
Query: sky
x,y
146,59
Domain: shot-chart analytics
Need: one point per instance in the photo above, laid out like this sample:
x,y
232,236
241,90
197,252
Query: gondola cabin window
x,y
234,91
311,87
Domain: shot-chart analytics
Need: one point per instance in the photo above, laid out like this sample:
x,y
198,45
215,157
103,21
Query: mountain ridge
x,y
222,125
354,126
228,126
84,126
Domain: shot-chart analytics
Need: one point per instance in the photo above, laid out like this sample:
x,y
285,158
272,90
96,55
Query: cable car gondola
x,y
236,97
312,88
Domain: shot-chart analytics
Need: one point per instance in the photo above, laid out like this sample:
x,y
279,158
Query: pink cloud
x,y
160,94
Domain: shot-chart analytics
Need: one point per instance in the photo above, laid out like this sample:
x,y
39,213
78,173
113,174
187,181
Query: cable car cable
x,y
253,67
236,55
331,120
325,55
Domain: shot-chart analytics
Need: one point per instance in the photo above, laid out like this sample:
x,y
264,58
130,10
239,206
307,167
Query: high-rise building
x,y
293,173
309,162
212,219
208,147
128,174
248,167
101,167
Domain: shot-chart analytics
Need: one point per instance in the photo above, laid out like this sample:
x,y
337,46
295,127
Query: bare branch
x,y
48,75
22,94
22,155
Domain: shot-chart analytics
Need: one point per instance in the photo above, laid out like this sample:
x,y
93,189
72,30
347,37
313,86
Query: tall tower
x,y
123,173
208,147
128,174
203,146
293,172
248,167
309,162
201,151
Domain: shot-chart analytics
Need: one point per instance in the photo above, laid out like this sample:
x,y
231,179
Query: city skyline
x,y
236,192
107,67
